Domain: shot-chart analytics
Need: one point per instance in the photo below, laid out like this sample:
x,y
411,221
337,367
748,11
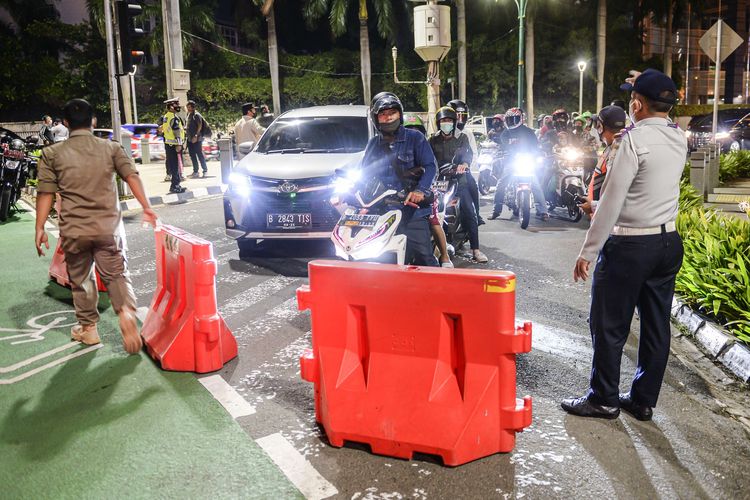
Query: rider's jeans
x,y
539,201
468,214
418,243
473,190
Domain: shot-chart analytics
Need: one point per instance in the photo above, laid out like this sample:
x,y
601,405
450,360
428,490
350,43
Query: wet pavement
x,y
691,449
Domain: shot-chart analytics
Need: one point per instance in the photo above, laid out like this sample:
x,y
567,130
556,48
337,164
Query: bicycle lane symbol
x,y
35,331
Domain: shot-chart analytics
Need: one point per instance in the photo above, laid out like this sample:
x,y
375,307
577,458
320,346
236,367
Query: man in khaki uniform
x,y
247,128
82,171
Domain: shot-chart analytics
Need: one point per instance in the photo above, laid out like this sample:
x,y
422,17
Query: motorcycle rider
x,y
447,146
412,121
462,115
403,160
608,124
498,126
518,138
550,139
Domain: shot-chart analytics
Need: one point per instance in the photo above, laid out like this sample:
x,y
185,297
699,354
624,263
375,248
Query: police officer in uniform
x,y
637,251
174,139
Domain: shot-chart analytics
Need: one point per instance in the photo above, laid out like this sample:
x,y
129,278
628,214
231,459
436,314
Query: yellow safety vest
x,y
169,132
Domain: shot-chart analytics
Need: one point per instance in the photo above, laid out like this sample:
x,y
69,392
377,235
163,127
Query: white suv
x,y
281,190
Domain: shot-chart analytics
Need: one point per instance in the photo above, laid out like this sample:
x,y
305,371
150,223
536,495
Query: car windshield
x,y
327,134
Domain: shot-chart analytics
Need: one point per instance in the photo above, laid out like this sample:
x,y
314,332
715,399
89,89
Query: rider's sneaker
x,y
85,334
494,215
543,216
480,257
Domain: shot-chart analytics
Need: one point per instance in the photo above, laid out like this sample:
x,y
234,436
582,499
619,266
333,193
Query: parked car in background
x,y
739,135
210,149
699,129
136,132
282,189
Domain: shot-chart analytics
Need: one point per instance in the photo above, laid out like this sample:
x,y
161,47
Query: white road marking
x,y
294,466
255,294
227,396
50,365
170,198
48,226
20,364
200,192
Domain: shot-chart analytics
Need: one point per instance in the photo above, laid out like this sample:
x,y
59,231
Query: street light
x,y
581,69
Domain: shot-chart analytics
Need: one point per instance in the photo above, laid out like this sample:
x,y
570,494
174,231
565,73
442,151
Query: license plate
x,y
440,185
288,221
359,220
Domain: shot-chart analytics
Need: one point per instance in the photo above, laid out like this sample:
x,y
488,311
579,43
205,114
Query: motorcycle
x,y
369,221
13,175
490,166
517,194
449,206
567,185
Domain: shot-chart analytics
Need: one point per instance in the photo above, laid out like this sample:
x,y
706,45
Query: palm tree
x,y
338,11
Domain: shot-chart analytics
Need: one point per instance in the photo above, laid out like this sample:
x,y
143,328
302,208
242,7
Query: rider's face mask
x,y
446,127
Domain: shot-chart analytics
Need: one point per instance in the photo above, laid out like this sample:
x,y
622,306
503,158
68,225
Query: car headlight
x,y
240,183
722,135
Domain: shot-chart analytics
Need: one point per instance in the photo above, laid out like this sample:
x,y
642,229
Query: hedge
x,y
714,277
703,109
734,165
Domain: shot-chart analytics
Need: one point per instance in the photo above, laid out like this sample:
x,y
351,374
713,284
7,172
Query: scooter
x,y
517,194
490,166
567,186
369,222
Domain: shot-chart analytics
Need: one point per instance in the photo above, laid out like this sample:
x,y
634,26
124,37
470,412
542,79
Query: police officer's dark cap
x,y
612,117
654,84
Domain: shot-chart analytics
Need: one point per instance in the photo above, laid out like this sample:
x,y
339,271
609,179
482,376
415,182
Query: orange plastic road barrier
x,y
183,329
58,271
415,359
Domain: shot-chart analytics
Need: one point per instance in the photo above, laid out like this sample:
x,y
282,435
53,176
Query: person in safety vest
x,y
173,129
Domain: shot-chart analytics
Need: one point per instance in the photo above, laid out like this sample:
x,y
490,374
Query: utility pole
x,y
273,54
114,102
178,78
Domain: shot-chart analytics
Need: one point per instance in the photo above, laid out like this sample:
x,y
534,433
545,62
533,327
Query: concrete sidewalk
x,y
152,175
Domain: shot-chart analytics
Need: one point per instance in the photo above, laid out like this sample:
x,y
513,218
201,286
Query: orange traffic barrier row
x,y
183,329
414,359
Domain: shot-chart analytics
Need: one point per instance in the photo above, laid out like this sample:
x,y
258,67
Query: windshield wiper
x,y
287,150
333,150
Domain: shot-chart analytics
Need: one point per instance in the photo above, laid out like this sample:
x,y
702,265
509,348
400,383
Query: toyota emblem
x,y
288,187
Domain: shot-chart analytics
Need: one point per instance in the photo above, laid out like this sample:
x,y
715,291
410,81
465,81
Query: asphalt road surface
x,y
693,448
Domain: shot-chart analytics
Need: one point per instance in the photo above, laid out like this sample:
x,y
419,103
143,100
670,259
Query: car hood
x,y
297,165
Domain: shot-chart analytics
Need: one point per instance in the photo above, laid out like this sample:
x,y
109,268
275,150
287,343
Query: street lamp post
x,y
581,69
521,5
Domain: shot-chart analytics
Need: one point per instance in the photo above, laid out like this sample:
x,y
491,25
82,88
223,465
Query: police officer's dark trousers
x,y
633,271
173,166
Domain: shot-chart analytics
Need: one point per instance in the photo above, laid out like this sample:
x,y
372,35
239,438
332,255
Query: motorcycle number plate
x,y
288,221
359,220
440,185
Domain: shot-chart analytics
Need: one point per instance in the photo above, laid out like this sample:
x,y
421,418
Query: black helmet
x,y
383,101
462,112
445,112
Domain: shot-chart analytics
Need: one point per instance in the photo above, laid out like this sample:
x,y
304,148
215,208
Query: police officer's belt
x,y
642,231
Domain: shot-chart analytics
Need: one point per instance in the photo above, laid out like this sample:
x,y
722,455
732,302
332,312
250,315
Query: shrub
x,y
734,165
714,276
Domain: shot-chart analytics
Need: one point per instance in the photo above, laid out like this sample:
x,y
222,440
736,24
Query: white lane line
x,y
50,365
48,226
227,396
255,294
294,466
12,368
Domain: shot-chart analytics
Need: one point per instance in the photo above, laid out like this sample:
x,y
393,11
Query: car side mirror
x,y
246,147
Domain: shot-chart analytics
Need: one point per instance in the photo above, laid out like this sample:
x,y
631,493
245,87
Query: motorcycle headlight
x,y
484,158
240,183
346,183
12,164
524,165
571,154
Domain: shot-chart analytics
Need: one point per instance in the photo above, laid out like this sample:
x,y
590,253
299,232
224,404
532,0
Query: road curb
x,y
132,204
720,345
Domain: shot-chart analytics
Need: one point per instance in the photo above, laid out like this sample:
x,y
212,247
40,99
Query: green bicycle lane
x,y
93,422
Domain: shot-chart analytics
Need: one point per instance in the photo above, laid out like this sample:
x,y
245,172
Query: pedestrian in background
x,y
639,253
173,130
195,125
248,129
82,171
46,137
59,130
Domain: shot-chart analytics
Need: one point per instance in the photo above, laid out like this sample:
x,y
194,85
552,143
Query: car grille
x,y
324,216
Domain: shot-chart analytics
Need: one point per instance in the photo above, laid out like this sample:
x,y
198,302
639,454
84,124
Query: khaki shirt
x,y
247,129
82,170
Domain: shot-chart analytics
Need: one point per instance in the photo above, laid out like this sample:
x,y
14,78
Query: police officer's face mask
x,y
633,107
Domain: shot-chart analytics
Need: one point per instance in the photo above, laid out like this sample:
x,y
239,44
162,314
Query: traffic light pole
x,y
114,102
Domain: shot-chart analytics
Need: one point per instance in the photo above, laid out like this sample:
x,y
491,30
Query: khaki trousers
x,y
107,252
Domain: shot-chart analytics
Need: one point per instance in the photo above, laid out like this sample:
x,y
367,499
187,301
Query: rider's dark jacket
x,y
396,164
519,139
446,150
